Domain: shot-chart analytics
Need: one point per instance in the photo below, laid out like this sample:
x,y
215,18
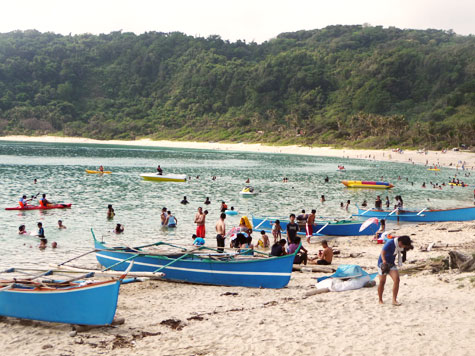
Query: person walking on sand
x,y
386,264
309,225
200,223
220,232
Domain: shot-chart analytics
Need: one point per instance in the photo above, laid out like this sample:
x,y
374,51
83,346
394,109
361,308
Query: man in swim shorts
x,y
386,264
200,222
221,232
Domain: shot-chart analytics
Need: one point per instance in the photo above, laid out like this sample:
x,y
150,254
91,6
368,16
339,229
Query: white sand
x,y
432,157
436,317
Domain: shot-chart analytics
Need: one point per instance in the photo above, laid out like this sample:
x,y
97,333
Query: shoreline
x,y
450,159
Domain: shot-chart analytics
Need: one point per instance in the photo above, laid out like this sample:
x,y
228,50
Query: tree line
x,y
341,85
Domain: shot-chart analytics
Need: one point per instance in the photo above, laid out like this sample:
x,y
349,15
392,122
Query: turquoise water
x,y
59,170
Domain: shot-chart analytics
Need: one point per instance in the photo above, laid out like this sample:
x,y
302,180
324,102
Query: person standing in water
x,y
220,232
309,225
110,212
200,223
171,220
159,170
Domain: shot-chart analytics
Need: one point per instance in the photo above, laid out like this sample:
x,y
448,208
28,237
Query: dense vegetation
x,y
343,85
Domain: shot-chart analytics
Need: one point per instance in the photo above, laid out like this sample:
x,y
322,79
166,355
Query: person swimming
x,y
22,230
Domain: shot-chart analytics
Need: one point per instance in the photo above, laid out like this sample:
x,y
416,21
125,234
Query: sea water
x,y
60,172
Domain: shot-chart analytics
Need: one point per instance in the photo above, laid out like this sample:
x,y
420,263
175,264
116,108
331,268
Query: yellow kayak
x,y
97,172
433,169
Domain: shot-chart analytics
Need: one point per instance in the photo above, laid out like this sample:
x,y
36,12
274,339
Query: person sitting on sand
x,y
22,230
276,231
184,201
302,253
119,229
278,249
247,248
264,240
110,212
198,241
386,264
60,225
381,230
325,256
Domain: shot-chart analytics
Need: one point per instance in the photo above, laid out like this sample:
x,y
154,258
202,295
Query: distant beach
x,y
449,159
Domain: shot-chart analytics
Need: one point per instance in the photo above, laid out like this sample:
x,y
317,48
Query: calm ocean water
x,y
59,170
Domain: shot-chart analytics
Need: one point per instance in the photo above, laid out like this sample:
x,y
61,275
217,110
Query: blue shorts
x,y
393,268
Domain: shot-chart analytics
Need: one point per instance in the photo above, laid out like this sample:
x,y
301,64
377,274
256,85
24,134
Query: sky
x,y
257,20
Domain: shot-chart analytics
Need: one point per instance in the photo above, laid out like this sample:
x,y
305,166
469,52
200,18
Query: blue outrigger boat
x,y
70,302
197,266
320,228
423,215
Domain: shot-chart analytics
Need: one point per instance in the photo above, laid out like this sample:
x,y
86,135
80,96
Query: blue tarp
x,y
348,271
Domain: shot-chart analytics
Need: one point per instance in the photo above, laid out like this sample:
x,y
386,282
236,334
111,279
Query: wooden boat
x,y
366,184
38,207
422,215
69,301
97,172
328,227
164,177
202,265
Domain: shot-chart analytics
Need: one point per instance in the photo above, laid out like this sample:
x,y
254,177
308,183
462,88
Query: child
x,y
264,240
276,231
60,225
198,241
22,230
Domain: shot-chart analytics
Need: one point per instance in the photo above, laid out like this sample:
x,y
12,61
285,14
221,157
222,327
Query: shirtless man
x,y
309,225
200,223
221,232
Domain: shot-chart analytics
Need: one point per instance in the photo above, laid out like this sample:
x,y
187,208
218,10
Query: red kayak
x,y
37,207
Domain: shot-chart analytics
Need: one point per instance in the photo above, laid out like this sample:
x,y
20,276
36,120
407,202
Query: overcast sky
x,y
250,20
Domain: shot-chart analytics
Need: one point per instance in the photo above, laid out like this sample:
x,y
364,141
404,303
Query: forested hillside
x,y
343,85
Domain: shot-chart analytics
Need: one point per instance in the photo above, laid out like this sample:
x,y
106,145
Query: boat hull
x,y
84,305
366,184
459,214
97,172
164,178
273,272
37,207
328,228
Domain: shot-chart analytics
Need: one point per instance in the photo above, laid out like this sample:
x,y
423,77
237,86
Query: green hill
x,y
342,85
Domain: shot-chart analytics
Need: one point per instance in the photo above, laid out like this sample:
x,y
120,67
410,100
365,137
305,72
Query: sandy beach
x,y
163,318
452,159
